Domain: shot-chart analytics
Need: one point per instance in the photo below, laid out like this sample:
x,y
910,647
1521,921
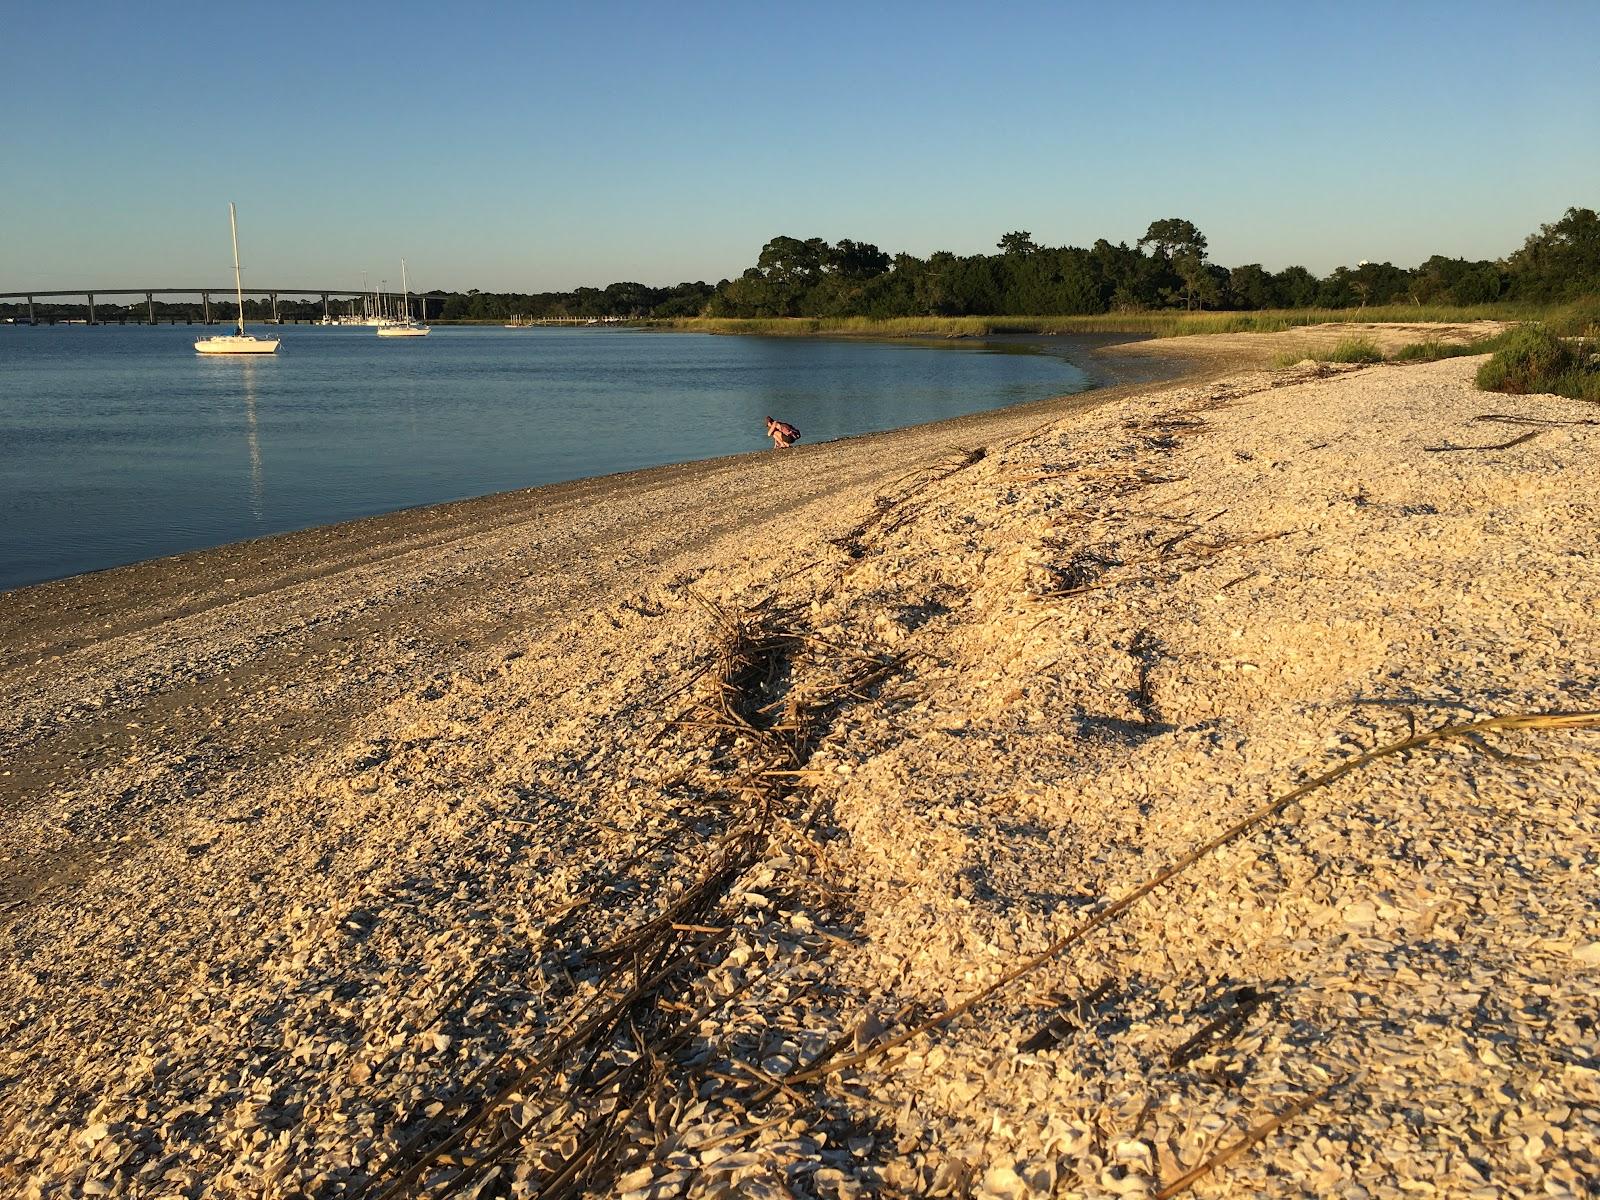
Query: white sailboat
x,y
241,342
404,326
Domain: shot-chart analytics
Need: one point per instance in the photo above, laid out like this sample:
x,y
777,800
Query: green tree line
x,y
615,300
1169,267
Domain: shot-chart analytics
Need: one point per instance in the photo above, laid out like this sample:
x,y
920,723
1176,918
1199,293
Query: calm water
x,y
120,443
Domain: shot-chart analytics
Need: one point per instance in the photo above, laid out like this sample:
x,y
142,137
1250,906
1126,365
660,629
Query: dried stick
x,y
1516,441
1262,1131
1578,720
1509,419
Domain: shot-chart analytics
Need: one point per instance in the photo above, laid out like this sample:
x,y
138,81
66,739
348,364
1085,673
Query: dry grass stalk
x,y
821,1067
1511,419
1257,1134
622,1052
1516,441
1039,475
588,1035
1168,553
895,510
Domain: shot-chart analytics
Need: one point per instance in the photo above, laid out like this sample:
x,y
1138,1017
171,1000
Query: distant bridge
x,y
204,293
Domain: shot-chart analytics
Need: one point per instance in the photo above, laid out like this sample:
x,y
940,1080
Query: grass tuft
x,y
1350,350
1355,350
1292,358
1431,350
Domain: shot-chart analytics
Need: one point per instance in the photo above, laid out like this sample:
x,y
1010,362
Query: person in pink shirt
x,y
782,433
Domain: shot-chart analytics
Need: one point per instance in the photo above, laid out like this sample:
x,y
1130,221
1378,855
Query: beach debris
x,y
886,872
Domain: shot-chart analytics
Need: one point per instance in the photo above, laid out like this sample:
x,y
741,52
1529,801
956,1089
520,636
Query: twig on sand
x,y
1259,1133
1516,441
1168,543
1511,419
821,1066
578,1092
1170,555
1245,578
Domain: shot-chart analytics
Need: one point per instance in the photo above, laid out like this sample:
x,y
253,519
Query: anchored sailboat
x,y
405,326
241,342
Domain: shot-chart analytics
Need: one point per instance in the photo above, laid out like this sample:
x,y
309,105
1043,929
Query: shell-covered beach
x,y
786,825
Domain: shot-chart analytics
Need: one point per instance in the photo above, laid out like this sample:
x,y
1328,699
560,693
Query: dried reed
x,y
820,1066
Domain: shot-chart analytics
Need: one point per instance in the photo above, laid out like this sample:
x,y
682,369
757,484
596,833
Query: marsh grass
x,y
1432,350
1349,350
1365,350
1164,323
1291,358
1355,350
1580,319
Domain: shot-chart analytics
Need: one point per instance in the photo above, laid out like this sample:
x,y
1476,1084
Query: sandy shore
x,y
620,836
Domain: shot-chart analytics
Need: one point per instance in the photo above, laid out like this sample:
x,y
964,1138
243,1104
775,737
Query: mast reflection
x,y
252,440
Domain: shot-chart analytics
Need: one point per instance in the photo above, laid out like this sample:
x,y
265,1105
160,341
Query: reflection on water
x,y
252,439
120,443
235,382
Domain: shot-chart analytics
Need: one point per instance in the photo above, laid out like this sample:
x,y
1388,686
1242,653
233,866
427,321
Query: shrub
x,y
1529,360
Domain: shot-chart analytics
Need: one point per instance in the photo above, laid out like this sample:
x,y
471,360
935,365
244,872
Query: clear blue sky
x,y
533,146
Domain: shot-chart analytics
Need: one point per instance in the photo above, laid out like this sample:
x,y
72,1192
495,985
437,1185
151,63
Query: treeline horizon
x,y
1168,268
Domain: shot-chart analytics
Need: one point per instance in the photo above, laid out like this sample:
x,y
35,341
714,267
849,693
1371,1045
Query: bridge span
x,y
204,293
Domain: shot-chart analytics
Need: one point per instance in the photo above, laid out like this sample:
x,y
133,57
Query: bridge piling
x,y
32,320
91,307
205,300
275,320
150,307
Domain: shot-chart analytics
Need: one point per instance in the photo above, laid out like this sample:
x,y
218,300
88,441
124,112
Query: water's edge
x,y
1107,375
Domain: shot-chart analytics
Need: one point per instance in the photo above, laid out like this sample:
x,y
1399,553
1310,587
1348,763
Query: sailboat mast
x,y
238,282
405,287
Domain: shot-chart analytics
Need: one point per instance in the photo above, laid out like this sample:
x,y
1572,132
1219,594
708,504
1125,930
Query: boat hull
x,y
236,345
406,331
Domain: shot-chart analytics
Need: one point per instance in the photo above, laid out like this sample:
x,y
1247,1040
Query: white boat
x,y
241,342
405,326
